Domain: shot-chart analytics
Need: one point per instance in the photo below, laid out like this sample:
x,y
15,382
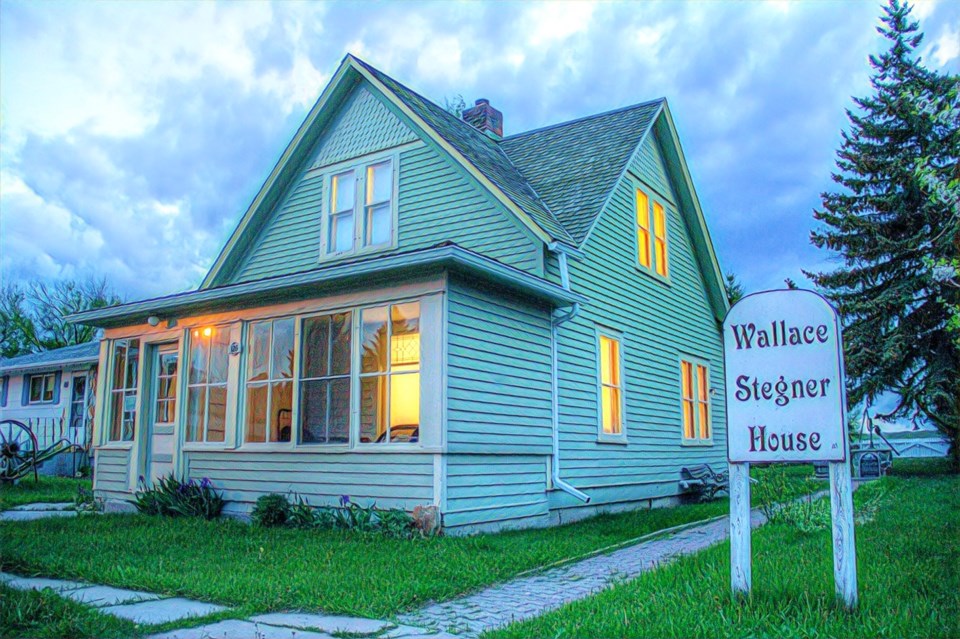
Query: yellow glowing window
x,y
643,228
703,402
611,419
660,237
695,401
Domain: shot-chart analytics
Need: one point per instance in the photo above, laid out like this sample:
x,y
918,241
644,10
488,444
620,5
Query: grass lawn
x,y
48,489
259,569
908,557
44,615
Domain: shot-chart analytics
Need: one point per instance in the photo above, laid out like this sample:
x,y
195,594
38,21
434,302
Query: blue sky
x,y
134,135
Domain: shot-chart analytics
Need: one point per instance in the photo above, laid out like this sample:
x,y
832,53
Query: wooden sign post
x,y
786,402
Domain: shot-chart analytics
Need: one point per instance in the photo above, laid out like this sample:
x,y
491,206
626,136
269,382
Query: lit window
x,y
390,374
660,238
325,379
611,417
643,228
651,247
207,384
695,400
42,388
166,401
375,182
269,388
123,390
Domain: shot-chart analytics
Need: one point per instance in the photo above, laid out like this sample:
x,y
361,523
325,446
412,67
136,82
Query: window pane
x,y
199,348
258,366
404,405
314,400
373,350
315,350
379,183
257,413
341,232
216,413
219,355
36,388
196,399
119,363
611,410
704,421
609,361
659,220
129,414
702,383
133,361
282,349
340,329
48,383
281,409
688,431
116,412
643,247
373,404
344,191
686,375
378,225
643,228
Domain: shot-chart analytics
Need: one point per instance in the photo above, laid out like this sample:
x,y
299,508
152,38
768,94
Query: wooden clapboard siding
x,y
392,480
437,200
498,373
112,472
660,322
490,491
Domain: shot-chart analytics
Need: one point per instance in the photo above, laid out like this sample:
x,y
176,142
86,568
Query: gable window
x,y
695,401
651,247
269,385
390,374
325,379
123,389
360,208
209,355
42,388
611,387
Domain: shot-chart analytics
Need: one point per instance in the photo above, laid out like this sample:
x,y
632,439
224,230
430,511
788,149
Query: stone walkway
x,y
38,511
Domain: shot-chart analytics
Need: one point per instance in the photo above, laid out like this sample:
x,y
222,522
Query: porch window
x,y
123,389
42,388
695,401
269,387
611,388
360,208
209,357
390,374
325,379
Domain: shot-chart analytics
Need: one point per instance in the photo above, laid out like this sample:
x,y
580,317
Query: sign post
x,y
786,403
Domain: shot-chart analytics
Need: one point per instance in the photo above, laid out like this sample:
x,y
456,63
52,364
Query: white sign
x,y
784,379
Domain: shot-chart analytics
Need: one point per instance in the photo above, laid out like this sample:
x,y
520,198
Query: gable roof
x,y
574,165
88,352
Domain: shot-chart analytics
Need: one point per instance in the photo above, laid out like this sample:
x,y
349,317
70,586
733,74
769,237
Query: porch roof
x,y
328,278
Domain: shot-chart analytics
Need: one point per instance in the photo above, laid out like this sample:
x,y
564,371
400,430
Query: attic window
x,y
360,209
651,247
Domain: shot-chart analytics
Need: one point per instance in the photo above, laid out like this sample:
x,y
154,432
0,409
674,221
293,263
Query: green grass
x,y
48,489
44,615
909,582
274,569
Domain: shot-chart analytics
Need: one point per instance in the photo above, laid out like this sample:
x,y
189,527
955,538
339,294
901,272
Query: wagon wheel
x,y
18,450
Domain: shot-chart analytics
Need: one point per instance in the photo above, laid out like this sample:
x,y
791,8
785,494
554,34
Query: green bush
x,y
271,511
176,498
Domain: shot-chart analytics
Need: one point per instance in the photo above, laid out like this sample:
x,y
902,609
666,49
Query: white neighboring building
x,y
53,392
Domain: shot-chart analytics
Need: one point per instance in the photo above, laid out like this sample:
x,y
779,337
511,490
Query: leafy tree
x,y
895,223
31,314
733,288
455,105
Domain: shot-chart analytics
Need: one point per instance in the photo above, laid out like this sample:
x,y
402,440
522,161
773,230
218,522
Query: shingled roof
x,y
87,352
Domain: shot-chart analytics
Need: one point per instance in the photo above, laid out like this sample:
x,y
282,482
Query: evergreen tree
x,y
895,223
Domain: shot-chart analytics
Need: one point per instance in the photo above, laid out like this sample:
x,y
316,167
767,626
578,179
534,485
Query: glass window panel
x,y
216,413
199,349
316,346
341,232
609,361
404,404
281,409
129,414
378,225
704,421
405,318
373,404
702,386
119,363
282,367
116,411
340,330
643,247
258,366
219,355
168,364
344,191
36,388
314,401
133,361
257,396
643,228
661,257
379,183
339,410
373,350
611,410
688,431
196,402
48,383
687,379
659,220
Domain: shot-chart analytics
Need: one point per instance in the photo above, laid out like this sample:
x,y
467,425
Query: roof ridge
x,y
584,118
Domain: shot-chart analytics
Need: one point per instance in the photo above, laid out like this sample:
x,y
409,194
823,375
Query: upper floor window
x,y
695,400
360,208
651,246
42,388
123,389
611,387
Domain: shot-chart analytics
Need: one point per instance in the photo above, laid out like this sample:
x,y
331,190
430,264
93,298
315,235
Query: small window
x,y
660,238
325,379
269,387
611,388
643,228
209,357
42,388
351,227
651,247
343,195
378,212
695,401
390,374
123,389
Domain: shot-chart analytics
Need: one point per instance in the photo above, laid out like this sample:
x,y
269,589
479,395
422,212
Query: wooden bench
x,y
703,481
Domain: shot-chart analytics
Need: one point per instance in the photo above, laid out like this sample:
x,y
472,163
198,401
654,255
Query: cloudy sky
x,y
134,135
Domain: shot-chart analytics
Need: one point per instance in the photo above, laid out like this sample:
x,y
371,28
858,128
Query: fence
x,y
50,430
921,447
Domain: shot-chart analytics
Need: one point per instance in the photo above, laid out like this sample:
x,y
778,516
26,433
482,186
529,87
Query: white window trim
x,y
359,166
41,401
602,437
242,385
110,391
653,197
695,361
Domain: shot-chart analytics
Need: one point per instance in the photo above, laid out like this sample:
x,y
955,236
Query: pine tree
x,y
895,223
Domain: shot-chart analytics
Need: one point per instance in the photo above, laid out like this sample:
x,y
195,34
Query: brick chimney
x,y
485,118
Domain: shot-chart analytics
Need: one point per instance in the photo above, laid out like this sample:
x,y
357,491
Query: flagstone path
x,y
27,512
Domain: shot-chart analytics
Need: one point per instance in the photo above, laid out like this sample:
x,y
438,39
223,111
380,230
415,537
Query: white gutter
x,y
555,322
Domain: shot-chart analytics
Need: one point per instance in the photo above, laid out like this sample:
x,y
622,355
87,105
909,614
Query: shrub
x,y
86,502
176,498
271,511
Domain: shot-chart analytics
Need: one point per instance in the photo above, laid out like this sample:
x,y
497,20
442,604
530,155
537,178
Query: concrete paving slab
x,y
30,515
49,505
236,629
162,610
39,583
100,596
325,623
405,632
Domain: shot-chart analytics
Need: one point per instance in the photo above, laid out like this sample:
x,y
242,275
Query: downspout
x,y
555,323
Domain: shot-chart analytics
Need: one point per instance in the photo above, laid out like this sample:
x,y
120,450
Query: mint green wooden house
x,y
417,311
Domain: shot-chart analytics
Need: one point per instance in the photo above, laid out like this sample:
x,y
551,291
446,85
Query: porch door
x,y
161,441
77,431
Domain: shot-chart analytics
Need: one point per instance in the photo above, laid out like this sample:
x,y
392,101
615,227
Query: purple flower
x,y
205,483
344,500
